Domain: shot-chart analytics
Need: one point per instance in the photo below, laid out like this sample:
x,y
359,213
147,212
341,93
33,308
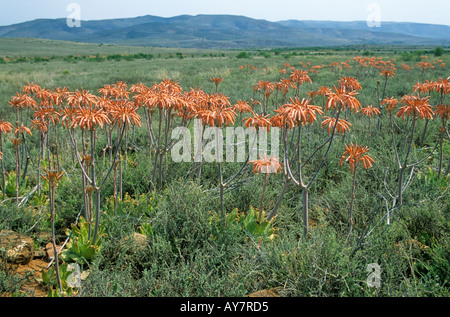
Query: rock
x,y
43,236
50,251
33,283
40,254
17,248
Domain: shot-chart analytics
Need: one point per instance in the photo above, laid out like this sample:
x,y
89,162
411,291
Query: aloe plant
x,y
80,247
249,222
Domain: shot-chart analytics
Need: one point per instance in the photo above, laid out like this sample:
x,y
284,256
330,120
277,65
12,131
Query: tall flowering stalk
x,y
165,98
387,70
53,177
41,126
296,114
354,155
267,88
443,112
219,113
265,165
370,111
216,81
442,86
299,114
19,133
88,118
5,128
125,114
20,102
299,78
416,108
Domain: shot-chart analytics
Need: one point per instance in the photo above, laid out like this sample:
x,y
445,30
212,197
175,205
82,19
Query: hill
x,y
229,31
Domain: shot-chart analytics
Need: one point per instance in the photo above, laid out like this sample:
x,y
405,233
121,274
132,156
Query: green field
x,y
189,250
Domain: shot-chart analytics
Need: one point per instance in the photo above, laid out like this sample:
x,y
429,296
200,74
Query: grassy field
x,y
189,251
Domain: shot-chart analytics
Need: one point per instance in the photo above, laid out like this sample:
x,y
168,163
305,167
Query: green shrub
x,y
243,55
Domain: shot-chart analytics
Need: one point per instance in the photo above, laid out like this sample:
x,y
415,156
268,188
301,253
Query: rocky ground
x,y
19,256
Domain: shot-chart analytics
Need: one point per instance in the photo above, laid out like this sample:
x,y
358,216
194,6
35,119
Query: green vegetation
x,y
160,230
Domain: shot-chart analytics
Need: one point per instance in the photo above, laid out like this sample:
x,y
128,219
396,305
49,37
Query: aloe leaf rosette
x,y
80,248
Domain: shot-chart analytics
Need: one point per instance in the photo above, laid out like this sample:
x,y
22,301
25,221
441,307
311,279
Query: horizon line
x,y
219,14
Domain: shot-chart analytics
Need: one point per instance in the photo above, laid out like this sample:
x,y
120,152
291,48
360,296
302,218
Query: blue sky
x,y
430,11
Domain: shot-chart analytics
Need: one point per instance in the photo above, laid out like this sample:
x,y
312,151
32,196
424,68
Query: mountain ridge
x,y
229,32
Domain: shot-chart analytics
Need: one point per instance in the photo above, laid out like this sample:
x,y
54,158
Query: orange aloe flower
x,y
22,100
323,91
415,106
423,87
194,100
165,95
242,106
81,98
39,124
387,73
105,90
117,91
46,114
5,127
266,164
125,112
31,88
299,112
255,102
22,130
285,84
342,125
62,92
16,142
370,111
424,65
44,95
300,77
90,118
387,68
441,85
168,86
266,86
343,99
138,88
312,94
216,80
257,121
354,154
390,103
350,83
217,112
152,99
279,120
407,67
443,111
217,117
